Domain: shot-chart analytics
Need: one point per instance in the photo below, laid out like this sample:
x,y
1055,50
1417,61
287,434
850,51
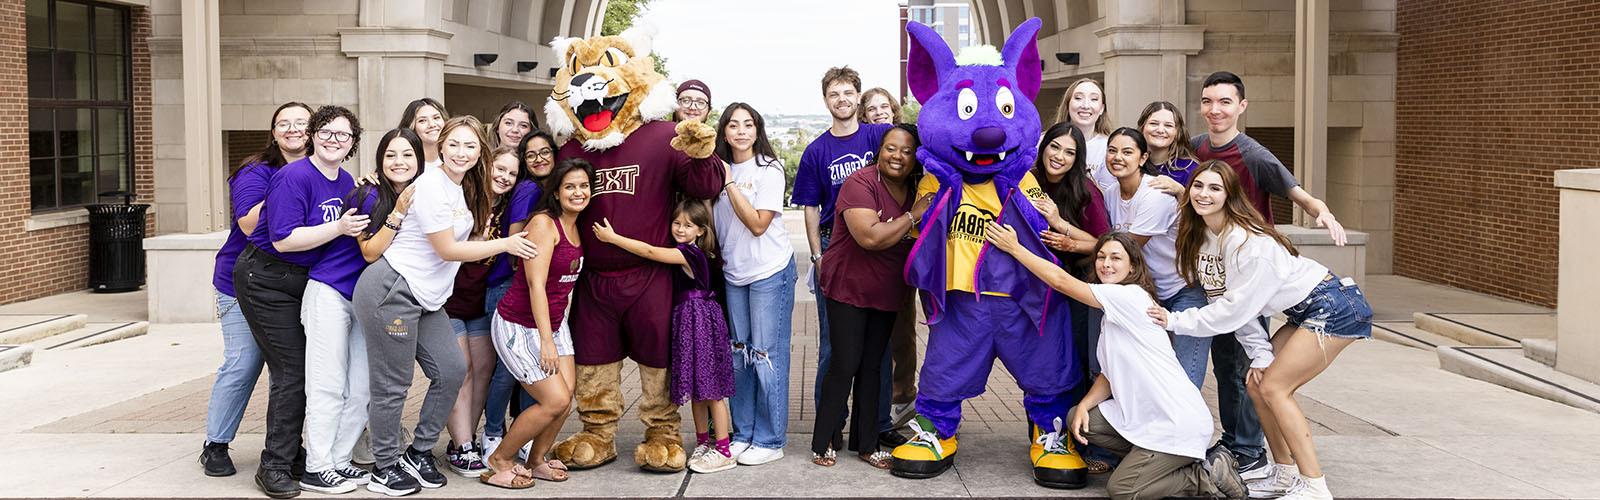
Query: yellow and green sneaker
x,y
1056,462
925,455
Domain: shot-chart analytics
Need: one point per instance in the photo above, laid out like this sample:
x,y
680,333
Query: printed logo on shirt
x,y
1213,276
1035,192
572,271
331,209
840,168
618,180
967,224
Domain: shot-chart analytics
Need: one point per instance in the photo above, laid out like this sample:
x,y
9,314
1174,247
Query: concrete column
x,y
1311,99
1577,339
204,183
395,65
1145,45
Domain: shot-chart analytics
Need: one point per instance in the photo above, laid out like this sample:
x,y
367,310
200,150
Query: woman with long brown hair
x,y
1249,270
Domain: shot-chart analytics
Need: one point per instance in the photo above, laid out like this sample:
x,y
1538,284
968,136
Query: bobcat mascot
x,y
609,106
979,129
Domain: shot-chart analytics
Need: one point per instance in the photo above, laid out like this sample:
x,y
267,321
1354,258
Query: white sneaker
x,y
737,449
699,449
757,455
1310,488
900,413
522,454
1277,483
489,444
714,461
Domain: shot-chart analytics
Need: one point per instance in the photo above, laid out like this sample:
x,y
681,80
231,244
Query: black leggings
x,y
855,334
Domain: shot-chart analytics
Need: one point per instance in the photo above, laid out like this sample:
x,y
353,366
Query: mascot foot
x,y
660,454
1056,462
585,451
925,455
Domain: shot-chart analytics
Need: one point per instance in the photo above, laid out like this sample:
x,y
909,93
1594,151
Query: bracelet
x,y
725,186
392,225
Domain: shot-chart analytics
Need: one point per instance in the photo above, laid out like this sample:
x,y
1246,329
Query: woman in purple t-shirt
x,y
863,288
241,358
288,257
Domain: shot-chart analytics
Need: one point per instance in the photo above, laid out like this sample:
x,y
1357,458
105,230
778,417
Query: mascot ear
x,y
1021,54
562,44
928,60
641,37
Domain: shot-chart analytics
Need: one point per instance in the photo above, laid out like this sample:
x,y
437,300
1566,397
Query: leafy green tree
x,y
910,110
620,15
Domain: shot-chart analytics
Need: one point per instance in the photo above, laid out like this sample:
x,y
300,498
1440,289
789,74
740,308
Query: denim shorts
x,y
1336,307
476,327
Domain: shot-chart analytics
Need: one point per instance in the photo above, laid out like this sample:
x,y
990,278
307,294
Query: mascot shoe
x,y
925,455
1056,462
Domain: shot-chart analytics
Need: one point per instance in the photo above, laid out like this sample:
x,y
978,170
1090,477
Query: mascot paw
x,y
660,455
585,451
695,139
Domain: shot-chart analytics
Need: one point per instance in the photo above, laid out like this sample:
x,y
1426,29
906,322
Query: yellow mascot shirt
x,y
980,204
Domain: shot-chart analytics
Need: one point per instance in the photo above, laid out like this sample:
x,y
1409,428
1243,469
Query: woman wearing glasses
x,y
694,101
287,258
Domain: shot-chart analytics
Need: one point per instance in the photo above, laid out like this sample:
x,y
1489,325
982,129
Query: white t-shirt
x,y
1246,276
1153,405
1095,154
1155,214
747,258
437,204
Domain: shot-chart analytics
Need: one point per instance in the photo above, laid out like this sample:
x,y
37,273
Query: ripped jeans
x,y
760,314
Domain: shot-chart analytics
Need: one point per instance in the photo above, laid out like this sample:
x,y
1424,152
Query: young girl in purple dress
x,y
702,364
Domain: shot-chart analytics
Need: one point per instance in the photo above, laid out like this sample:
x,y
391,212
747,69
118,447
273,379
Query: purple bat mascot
x,y
979,132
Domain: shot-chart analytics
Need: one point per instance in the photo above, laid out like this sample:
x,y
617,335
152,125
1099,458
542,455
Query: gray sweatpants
x,y
398,331
1148,474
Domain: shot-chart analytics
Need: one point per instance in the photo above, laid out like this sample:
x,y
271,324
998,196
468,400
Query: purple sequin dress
x,y
702,357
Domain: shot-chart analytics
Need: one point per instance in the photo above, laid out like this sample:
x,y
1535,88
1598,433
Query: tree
x,y
620,15
910,110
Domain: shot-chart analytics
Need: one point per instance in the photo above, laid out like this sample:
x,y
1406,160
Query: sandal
x,y
878,459
1098,466
555,464
826,459
547,472
515,478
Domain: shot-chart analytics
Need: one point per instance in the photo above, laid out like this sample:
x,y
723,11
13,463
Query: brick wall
x,y
1491,99
51,261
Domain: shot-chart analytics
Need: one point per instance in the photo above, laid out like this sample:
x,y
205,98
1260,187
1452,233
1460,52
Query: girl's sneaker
x,y
699,449
1278,483
1310,488
711,461
465,460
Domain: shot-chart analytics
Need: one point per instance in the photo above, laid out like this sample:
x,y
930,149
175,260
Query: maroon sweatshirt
x,y
636,184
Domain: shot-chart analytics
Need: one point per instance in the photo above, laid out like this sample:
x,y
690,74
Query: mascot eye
x,y
1005,101
615,57
966,103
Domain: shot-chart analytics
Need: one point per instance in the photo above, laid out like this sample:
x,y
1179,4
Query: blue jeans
x,y
236,378
1193,352
1336,307
761,313
502,386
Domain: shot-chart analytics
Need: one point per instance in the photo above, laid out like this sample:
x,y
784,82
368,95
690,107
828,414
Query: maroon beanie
x,y
695,85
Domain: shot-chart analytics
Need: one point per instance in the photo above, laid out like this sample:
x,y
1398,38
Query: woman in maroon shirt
x,y
863,287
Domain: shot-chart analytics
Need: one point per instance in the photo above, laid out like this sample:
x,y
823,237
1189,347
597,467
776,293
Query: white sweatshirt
x,y
1246,276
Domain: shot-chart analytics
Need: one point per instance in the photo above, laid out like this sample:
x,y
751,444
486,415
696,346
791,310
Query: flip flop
x,y
511,479
878,459
547,473
826,459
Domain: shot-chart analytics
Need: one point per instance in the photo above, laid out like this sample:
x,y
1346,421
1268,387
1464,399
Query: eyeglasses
x,y
334,135
692,103
545,153
286,125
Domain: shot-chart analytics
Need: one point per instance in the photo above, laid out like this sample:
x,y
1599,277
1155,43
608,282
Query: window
x,y
79,105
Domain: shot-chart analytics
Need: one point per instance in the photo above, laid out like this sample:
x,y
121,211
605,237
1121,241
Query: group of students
x,y
472,229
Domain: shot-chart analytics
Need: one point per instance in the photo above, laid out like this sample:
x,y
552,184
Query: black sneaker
x,y
393,481
214,458
891,439
1252,469
328,482
420,465
355,475
277,483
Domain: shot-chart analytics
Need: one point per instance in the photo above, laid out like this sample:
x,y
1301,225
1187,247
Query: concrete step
x,y
1407,334
1461,332
25,328
1507,367
93,334
15,356
1541,350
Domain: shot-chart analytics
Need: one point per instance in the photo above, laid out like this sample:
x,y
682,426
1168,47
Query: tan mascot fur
x,y
609,106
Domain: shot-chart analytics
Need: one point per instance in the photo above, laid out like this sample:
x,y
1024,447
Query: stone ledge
x,y
73,217
184,241
1316,236
395,42
1585,179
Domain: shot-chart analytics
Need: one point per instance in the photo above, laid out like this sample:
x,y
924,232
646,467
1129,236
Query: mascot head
x,y
606,88
977,109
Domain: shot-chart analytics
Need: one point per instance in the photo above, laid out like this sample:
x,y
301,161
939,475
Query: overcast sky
x,y
772,53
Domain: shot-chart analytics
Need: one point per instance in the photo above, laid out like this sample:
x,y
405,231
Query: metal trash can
x,y
116,245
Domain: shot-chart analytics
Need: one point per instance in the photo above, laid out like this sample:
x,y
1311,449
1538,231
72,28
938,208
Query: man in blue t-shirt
x,y
847,146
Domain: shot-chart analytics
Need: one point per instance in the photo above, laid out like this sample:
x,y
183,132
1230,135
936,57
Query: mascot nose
x,y
989,137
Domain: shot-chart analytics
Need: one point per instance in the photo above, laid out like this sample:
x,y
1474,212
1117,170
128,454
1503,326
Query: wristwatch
x,y
816,257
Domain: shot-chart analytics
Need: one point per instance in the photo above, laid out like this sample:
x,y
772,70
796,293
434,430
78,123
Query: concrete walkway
x,y
126,419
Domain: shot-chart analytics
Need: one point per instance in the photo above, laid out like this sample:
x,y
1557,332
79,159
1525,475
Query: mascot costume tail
x,y
609,106
979,132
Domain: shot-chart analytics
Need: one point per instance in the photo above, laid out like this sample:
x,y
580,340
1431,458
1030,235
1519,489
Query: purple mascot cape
x,y
979,132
